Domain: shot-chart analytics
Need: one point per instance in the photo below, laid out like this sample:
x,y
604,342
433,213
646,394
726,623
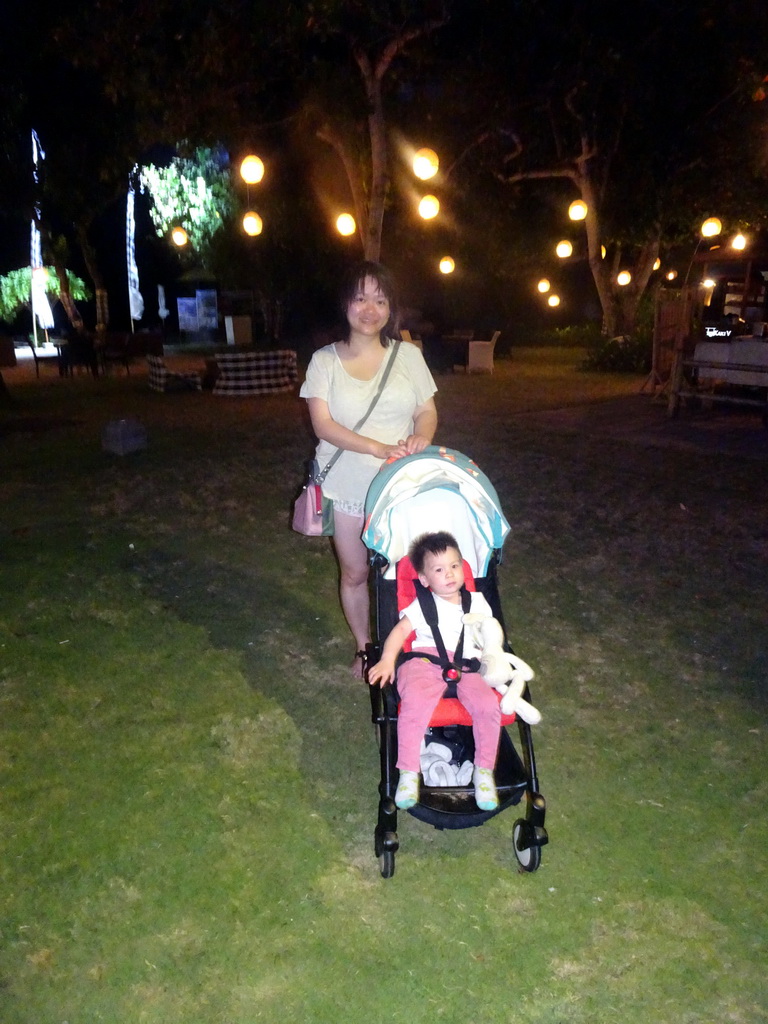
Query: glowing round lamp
x,y
429,207
708,283
425,164
577,210
179,237
252,223
564,249
739,242
657,264
711,227
624,278
553,300
40,274
671,275
252,170
447,265
345,224
543,286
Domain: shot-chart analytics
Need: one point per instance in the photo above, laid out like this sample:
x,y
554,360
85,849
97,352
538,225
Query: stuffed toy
x,y
504,672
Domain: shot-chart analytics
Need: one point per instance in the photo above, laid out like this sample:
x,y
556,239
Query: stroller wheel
x,y
528,854
387,863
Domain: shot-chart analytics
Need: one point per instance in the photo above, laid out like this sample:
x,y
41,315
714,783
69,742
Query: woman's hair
x,y
353,281
430,544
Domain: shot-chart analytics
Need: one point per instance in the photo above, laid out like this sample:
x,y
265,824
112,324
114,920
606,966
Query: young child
x,y
437,561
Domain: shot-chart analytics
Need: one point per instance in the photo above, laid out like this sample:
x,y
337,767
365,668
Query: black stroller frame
x,y
450,807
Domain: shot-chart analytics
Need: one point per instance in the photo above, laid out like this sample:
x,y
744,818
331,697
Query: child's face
x,y
443,573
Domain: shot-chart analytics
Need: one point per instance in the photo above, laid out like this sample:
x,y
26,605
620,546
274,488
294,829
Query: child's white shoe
x,y
486,797
407,793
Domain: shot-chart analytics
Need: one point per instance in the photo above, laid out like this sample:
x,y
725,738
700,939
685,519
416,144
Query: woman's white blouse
x,y
408,386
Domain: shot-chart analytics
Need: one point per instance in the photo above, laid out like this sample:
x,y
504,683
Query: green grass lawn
x,y
188,773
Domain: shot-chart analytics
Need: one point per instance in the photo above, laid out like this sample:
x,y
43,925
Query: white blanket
x,y
437,770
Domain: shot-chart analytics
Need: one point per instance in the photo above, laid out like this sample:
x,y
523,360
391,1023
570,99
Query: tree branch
x,y
484,137
328,135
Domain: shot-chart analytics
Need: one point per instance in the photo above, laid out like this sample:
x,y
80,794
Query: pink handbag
x,y
312,513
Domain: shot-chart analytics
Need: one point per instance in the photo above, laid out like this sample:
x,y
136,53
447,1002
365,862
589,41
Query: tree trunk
x,y
65,296
94,270
370,203
327,133
379,165
368,212
619,303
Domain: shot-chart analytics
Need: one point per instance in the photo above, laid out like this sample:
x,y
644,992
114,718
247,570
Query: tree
x,y
193,192
90,141
189,69
16,286
642,113
375,37
635,110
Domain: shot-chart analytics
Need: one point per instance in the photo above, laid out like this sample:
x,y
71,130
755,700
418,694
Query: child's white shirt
x,y
449,623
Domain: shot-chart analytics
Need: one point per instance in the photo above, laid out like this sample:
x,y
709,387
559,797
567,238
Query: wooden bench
x,y
742,363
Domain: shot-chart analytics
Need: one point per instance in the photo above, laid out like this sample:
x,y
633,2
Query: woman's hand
x,y
414,444
388,452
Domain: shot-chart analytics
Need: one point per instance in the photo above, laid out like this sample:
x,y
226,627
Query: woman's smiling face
x,y
368,312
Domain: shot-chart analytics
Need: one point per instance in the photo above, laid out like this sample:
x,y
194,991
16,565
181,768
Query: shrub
x,y
623,354
573,336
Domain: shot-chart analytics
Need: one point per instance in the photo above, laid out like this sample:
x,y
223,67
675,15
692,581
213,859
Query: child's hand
x,y
381,673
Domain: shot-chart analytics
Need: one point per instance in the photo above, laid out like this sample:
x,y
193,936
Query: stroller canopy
x,y
438,489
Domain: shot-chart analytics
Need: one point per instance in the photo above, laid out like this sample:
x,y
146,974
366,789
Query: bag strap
x,y
340,451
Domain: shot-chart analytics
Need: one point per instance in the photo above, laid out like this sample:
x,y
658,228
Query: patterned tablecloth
x,y
255,373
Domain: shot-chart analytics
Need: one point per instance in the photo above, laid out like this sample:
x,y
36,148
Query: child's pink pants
x,y
420,685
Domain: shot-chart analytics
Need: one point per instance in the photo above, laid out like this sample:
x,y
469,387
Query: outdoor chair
x,y
43,352
163,379
480,355
113,351
78,351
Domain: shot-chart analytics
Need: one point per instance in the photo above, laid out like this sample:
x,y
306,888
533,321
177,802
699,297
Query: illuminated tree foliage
x,y
15,289
194,193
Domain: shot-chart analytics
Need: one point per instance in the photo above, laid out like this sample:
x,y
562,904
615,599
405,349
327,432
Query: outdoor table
x,y
255,373
456,346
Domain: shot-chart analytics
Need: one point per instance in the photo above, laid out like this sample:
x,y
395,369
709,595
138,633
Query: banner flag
x,y
41,308
162,309
135,298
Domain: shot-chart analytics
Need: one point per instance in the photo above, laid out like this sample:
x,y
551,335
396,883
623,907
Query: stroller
x,y
441,489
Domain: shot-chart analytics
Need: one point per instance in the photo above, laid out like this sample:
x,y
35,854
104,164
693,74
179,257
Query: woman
x,y
342,380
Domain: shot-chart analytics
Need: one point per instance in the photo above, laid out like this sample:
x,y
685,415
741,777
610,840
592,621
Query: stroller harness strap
x,y
452,669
